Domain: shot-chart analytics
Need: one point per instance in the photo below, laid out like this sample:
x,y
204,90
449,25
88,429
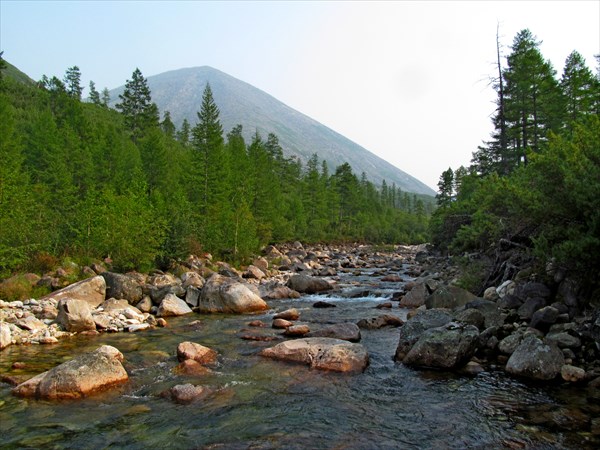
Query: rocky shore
x,y
529,329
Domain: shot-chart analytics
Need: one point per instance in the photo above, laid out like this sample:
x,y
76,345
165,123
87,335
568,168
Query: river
x,y
263,404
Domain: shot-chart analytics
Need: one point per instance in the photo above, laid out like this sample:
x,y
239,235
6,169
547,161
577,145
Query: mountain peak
x,y
180,92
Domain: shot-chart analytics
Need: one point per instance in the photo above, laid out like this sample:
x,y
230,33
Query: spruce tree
x,y
136,105
73,82
94,95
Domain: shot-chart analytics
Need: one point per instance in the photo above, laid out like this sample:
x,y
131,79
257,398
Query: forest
x,y
84,182
535,185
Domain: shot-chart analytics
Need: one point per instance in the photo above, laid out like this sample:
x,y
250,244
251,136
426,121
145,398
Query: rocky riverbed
x,y
521,327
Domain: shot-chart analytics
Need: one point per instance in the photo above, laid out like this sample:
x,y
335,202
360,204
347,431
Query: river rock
x,y
83,375
412,330
490,311
122,286
448,347
375,323
145,304
415,297
288,314
197,352
227,295
471,317
254,273
572,374
91,290
112,304
276,291
31,323
450,297
544,318
506,288
530,306
75,315
281,323
187,393
192,296
308,285
191,367
564,340
322,304
5,335
172,305
510,343
192,279
296,330
344,331
321,353
535,359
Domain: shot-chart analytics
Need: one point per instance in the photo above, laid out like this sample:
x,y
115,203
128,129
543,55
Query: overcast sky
x,y
406,80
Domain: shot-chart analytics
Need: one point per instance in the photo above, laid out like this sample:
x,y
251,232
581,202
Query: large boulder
x,y
321,353
91,290
344,331
448,347
227,295
79,377
75,315
412,330
536,359
308,285
415,297
172,305
450,297
122,286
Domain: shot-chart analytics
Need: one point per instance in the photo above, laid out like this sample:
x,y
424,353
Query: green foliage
x,y
549,206
79,180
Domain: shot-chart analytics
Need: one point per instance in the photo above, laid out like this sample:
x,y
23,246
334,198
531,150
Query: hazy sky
x,y
406,80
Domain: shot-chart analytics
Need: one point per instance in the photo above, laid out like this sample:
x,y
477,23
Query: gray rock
x,y
412,330
321,353
5,335
544,318
510,343
490,311
415,297
192,296
91,290
450,297
276,291
83,375
384,320
227,295
471,316
564,340
172,306
344,331
187,393
75,315
448,347
158,293
122,286
530,306
145,304
535,359
509,302
307,284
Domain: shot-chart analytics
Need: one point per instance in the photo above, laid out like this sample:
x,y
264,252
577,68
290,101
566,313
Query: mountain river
x,y
264,404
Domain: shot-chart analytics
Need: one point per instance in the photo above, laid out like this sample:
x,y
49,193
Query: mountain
x,y
11,71
180,92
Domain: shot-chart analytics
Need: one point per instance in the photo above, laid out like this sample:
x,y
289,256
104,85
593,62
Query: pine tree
x,y
184,133
94,95
167,125
136,105
105,97
445,188
73,82
579,88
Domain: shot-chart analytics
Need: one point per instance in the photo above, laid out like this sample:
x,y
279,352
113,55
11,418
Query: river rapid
x,y
264,404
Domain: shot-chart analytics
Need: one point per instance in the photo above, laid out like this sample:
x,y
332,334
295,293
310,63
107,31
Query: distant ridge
x,y
180,92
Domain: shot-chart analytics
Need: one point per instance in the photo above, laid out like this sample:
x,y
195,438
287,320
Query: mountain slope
x,y
180,92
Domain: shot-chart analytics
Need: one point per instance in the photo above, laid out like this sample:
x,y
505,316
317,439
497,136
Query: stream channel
x,y
262,404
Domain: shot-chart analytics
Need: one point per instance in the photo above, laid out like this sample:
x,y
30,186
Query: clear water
x,y
262,404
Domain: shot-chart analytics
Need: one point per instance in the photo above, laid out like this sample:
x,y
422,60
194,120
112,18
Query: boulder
x,y
91,290
344,331
564,340
83,375
192,296
122,286
450,297
308,285
30,323
75,315
158,293
544,318
412,330
191,367
471,317
172,305
536,359
448,347
196,352
490,311
112,304
192,279
296,330
5,335
227,295
288,314
321,353
375,323
506,288
510,343
530,306
276,291
254,273
145,304
415,297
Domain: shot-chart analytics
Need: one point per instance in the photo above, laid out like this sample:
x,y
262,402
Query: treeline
x,y
80,179
535,185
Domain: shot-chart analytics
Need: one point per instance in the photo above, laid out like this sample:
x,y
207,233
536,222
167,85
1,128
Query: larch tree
x,y
136,105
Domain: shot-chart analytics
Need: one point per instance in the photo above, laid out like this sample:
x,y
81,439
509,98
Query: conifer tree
x,y
136,105
94,94
73,82
579,87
